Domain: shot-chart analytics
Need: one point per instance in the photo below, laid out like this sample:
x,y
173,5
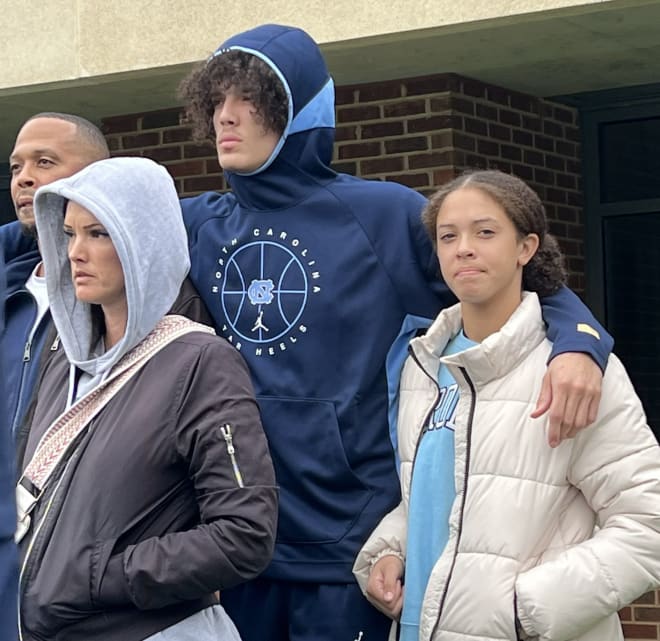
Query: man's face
x,y
242,143
46,149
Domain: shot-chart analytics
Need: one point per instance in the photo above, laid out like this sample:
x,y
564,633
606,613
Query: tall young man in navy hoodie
x,y
310,273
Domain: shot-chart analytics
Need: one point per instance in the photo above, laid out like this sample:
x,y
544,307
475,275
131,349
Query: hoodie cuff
x,y
114,587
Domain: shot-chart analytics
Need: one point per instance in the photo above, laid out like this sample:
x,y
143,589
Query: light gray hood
x,y
135,200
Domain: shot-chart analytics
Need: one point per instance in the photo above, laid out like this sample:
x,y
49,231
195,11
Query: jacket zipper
x,y
27,357
229,439
473,399
427,418
29,551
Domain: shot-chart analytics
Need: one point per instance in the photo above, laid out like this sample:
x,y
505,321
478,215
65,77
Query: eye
x,y
99,233
486,233
14,168
45,162
68,233
446,237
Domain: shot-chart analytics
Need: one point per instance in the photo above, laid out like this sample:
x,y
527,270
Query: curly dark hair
x,y
545,273
206,85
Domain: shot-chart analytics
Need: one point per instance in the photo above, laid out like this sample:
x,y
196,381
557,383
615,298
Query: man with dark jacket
x,y
48,146
8,561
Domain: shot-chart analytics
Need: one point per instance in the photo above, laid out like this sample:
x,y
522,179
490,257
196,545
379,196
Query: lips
x,y
466,273
24,200
228,140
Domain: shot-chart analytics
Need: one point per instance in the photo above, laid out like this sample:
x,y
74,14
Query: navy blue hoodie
x,y
310,274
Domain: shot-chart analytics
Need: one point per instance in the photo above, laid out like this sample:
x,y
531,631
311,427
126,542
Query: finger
x,y
375,583
545,398
554,433
555,417
581,418
392,582
397,607
594,404
390,577
571,410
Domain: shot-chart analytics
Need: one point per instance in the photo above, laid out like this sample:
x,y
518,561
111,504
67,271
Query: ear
x,y
528,247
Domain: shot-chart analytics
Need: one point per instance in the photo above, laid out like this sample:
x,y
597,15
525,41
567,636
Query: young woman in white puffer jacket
x,y
502,537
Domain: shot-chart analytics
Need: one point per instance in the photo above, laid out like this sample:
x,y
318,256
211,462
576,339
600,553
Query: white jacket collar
x,y
493,357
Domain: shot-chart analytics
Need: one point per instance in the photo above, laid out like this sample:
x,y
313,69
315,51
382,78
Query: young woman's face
x,y
480,252
242,142
96,271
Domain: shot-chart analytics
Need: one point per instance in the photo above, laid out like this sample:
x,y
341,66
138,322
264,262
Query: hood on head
x,y
136,201
297,60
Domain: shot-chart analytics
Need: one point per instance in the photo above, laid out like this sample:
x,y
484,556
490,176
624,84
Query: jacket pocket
x,y
320,495
98,562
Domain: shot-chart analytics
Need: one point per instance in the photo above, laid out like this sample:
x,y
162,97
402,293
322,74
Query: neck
x,y
115,318
480,320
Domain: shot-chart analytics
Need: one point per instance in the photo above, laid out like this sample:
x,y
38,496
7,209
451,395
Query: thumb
x,y
391,577
545,398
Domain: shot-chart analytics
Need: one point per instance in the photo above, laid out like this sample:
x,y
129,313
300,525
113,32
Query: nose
x,y
76,249
464,246
24,176
225,112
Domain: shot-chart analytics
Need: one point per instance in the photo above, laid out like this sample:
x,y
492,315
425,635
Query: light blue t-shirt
x,y
432,493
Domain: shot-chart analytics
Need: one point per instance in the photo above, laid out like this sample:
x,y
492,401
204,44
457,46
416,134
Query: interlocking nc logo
x,y
260,292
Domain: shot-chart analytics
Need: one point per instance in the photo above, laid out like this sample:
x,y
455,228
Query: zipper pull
x,y
229,439
56,344
26,351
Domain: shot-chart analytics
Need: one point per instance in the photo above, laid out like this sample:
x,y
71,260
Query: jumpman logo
x,y
259,324
359,636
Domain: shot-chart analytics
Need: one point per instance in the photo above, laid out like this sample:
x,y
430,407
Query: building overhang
x,y
561,50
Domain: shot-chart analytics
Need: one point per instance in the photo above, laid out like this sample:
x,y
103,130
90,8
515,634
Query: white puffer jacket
x,y
522,524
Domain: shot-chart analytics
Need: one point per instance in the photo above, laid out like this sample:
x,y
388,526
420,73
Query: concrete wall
x,y
47,42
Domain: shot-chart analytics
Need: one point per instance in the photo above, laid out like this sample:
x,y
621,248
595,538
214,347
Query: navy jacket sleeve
x,y
8,557
573,328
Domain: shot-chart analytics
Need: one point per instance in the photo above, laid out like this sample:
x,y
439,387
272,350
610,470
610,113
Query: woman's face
x,y
96,271
480,252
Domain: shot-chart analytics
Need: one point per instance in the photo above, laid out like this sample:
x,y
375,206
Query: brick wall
x,y
642,619
421,132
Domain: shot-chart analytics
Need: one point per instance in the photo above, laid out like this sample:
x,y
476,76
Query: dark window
x,y
6,205
632,299
629,160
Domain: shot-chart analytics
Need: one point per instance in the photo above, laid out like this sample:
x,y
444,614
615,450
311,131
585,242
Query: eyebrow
x,y
44,151
89,226
478,221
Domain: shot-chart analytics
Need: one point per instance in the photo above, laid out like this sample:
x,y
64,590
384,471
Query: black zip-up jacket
x,y
159,506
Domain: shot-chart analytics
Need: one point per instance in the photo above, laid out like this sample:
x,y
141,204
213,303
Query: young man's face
x,y
242,143
46,149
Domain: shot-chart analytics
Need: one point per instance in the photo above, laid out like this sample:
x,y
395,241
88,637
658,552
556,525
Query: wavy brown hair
x,y
208,83
545,273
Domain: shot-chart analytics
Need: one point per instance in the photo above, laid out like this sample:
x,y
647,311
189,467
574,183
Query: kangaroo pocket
x,y
320,495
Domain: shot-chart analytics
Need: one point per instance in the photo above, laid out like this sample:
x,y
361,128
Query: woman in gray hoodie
x,y
146,482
